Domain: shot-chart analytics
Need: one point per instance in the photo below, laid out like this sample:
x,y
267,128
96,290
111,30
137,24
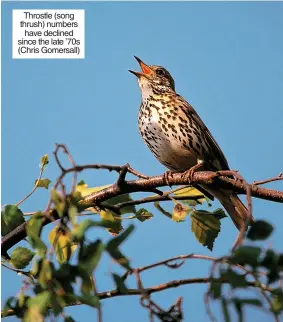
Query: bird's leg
x,y
190,173
166,175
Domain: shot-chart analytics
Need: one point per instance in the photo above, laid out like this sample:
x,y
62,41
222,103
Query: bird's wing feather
x,y
218,154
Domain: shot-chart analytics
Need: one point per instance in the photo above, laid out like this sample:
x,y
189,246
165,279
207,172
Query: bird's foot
x,y
190,173
166,176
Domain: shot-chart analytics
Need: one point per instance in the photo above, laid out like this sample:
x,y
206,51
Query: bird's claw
x,y
189,174
166,177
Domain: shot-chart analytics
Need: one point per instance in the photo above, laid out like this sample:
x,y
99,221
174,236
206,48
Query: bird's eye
x,y
160,72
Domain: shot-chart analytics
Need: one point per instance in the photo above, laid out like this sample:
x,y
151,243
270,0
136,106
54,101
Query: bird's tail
x,y
233,205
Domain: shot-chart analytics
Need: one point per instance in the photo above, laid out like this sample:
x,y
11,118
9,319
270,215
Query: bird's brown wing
x,y
218,155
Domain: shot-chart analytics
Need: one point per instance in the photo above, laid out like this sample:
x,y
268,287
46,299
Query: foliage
x,y
61,271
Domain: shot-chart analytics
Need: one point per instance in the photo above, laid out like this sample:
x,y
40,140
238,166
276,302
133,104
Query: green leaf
x,y
270,261
239,309
87,285
247,301
44,161
205,227
62,242
120,285
73,212
280,262
42,183
117,241
69,319
57,304
58,201
80,229
41,301
114,252
226,313
46,273
260,230
180,212
115,222
10,304
91,300
219,213
215,290
121,198
22,298
247,255
89,255
21,257
33,230
277,303
142,215
240,302
234,279
11,218
194,196
85,191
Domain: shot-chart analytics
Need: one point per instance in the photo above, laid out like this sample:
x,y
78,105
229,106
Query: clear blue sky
x,y
226,59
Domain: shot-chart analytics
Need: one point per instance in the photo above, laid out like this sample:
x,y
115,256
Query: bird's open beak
x,y
146,70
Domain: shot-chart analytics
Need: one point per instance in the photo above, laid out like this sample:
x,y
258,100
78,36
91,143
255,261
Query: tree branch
x,y
145,185
161,287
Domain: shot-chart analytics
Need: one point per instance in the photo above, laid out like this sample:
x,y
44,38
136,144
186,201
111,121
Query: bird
x,y
179,139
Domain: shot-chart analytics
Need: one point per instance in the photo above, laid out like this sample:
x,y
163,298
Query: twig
x,y
207,307
145,300
29,213
141,185
207,293
166,262
122,176
19,272
35,186
66,151
201,177
136,173
161,287
164,197
279,177
263,292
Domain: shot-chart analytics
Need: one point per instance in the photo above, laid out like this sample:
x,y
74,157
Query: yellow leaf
x,y
108,215
180,212
33,314
85,191
62,243
194,196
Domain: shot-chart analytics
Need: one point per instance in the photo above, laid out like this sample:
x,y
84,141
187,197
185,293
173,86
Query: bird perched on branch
x,y
178,138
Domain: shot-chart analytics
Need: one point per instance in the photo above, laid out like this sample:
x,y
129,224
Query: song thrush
x,y
177,136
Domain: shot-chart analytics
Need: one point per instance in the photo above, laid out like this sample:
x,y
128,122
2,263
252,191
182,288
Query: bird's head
x,y
154,77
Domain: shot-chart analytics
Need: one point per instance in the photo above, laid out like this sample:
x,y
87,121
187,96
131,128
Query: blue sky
x,y
226,59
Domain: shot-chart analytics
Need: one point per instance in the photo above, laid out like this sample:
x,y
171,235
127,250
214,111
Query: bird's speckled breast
x,y
165,129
